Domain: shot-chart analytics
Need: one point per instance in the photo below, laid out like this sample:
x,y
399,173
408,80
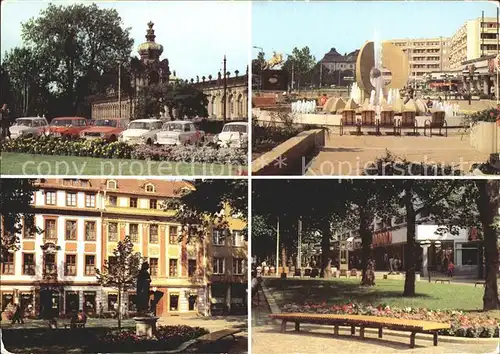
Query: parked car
x,y
179,132
234,134
141,131
108,129
28,127
68,126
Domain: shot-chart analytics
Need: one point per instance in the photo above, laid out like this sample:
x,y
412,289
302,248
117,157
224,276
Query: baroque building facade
x,y
149,69
82,221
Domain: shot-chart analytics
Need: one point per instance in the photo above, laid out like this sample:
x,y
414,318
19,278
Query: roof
x,y
180,121
334,57
235,123
30,118
69,118
146,120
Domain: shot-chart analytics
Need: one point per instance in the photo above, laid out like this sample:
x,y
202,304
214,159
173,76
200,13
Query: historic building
x,y
82,221
149,69
333,60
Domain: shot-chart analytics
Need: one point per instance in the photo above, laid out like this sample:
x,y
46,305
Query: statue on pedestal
x,y
142,289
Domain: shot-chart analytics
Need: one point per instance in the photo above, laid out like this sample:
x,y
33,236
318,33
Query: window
x,y
192,267
90,200
150,188
28,264
50,198
218,237
89,265
238,266
172,268
134,232
90,231
111,184
174,302
153,233
70,199
70,233
172,235
113,232
133,202
218,265
70,265
50,229
153,204
153,267
113,200
28,233
50,268
237,238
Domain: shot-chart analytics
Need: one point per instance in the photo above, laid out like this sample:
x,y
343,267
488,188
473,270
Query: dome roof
x,y
150,47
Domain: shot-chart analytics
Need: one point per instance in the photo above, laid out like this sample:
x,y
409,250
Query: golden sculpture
x,y
393,59
276,60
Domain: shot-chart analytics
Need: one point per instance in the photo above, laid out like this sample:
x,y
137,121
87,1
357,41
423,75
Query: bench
x,y
218,335
480,282
363,322
66,322
442,280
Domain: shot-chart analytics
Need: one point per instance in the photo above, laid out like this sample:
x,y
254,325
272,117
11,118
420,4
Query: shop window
x,y
112,300
7,298
192,302
71,301
89,304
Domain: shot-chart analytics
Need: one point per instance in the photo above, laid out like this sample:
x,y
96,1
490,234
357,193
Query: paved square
x,y
349,155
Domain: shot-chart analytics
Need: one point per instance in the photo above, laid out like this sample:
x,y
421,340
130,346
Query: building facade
x,y
149,69
334,61
474,39
82,221
425,55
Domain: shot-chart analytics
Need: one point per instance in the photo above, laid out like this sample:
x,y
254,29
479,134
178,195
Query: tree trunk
x,y
488,208
325,247
480,261
283,261
119,308
409,289
366,242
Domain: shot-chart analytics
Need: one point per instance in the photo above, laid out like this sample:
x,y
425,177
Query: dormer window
x,y
150,188
111,184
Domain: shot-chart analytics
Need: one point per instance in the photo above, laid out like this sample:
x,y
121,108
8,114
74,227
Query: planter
x,y
485,137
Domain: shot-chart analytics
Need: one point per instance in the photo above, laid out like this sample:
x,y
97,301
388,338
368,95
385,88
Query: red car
x,y
108,129
68,126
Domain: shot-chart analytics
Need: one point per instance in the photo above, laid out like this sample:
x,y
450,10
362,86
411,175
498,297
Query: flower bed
x,y
463,324
190,153
48,145
166,338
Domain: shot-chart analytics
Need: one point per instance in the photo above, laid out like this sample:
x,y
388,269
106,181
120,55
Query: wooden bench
x,y
363,322
442,280
480,282
218,335
66,322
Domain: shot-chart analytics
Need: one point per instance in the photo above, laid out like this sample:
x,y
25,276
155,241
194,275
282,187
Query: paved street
x,y
348,155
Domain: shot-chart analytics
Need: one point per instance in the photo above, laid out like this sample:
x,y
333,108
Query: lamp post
x,y
425,256
224,115
120,90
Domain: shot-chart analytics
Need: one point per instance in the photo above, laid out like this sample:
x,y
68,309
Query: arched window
x,y
150,188
111,184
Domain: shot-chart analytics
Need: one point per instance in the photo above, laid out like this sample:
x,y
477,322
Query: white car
x,y
28,127
234,134
141,131
179,132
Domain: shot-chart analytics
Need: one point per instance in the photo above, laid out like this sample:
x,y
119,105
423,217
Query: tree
x,y
187,99
16,211
121,271
76,40
258,64
303,61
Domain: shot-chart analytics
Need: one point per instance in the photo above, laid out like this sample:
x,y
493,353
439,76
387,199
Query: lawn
x,y
28,164
335,291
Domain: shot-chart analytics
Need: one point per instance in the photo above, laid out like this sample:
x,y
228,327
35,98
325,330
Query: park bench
x,y
408,120
369,120
67,322
480,282
442,280
218,335
387,121
349,119
397,324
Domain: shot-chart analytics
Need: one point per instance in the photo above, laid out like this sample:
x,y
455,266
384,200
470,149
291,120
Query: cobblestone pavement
x,y
318,339
348,155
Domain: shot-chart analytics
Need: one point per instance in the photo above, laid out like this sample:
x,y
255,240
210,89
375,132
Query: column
x,y
425,259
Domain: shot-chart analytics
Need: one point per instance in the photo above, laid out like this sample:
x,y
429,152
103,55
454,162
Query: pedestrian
x,y
18,315
391,264
451,268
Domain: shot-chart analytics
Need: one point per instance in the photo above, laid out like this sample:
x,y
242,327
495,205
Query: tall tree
x,y
16,212
121,272
302,61
77,40
258,64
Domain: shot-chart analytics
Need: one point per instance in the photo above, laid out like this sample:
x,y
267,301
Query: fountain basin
x,y
145,326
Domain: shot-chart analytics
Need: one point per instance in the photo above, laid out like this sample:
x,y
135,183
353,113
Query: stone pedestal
x,y
145,326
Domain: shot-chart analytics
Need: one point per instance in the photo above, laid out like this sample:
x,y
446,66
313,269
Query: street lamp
x,y
425,256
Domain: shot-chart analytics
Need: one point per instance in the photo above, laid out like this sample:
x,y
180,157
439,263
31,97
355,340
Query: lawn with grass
x,y
47,165
389,292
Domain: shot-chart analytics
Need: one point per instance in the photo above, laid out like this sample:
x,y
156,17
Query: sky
x,y
195,34
281,26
